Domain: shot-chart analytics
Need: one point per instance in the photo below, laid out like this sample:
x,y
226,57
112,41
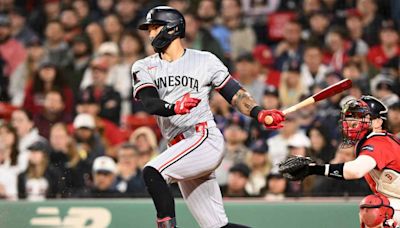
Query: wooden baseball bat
x,y
321,95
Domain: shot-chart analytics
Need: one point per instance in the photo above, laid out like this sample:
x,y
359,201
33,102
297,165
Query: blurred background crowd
x,y
70,128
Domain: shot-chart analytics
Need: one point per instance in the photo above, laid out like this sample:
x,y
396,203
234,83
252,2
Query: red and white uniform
x,y
384,148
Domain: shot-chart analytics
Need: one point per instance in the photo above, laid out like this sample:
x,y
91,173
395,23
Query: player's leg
x,y
157,174
204,200
161,195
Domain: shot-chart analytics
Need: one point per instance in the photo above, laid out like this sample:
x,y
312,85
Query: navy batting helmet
x,y
173,22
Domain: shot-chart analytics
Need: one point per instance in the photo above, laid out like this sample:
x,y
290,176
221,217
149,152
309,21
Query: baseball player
x,y
364,124
174,84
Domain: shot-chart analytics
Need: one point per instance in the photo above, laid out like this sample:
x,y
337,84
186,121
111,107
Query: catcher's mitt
x,y
295,168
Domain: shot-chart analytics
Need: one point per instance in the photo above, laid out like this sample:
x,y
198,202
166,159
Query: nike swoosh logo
x,y
151,67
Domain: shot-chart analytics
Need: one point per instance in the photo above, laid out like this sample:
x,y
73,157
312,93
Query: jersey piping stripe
x,y
224,82
143,86
185,152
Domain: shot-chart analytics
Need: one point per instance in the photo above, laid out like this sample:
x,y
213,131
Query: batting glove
x,y
276,115
184,105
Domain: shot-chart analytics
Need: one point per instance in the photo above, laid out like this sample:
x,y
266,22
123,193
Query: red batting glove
x,y
184,105
276,115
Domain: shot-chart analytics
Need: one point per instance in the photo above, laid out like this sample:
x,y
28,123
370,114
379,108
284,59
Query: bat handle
x,y
268,119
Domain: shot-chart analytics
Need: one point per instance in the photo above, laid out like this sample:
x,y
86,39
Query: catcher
x,y
364,125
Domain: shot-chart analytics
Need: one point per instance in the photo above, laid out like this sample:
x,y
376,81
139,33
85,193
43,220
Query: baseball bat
x,y
321,95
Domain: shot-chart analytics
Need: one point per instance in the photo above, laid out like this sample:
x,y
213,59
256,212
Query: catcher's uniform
x,y
195,144
384,148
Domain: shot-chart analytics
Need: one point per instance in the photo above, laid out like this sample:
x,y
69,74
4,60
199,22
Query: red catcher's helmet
x,y
375,210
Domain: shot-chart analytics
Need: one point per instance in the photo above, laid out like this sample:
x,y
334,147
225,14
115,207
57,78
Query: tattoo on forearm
x,y
244,102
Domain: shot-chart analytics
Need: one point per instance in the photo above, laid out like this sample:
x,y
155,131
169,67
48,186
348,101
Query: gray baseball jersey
x,y
196,72
191,161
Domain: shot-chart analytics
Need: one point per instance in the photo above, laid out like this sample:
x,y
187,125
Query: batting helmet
x,y
173,22
375,210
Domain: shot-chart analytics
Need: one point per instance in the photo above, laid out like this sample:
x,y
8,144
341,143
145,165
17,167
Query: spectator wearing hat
x,y
47,78
312,70
41,180
105,95
53,112
12,52
298,145
291,47
265,62
129,179
19,28
276,187
65,157
248,74
104,172
385,92
23,73
81,52
278,144
291,87
235,151
88,140
394,119
388,48
55,45
109,131
260,166
237,179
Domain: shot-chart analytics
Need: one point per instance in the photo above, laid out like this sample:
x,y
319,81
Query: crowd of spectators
x,y
70,128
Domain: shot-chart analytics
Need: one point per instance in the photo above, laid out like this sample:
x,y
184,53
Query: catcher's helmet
x,y
354,121
173,22
375,210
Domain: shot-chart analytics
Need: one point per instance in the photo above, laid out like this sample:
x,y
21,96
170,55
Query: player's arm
x,y
239,98
297,168
155,106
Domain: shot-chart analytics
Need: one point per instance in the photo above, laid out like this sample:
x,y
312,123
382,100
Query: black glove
x,y
295,168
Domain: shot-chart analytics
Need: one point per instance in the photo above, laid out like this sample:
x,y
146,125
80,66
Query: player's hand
x,y
276,115
184,105
296,168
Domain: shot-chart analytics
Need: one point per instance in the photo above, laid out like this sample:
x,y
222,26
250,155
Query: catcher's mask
x,y
355,121
375,210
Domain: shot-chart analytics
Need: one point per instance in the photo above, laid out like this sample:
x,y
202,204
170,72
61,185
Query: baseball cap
x,y
108,48
100,63
275,176
299,141
18,11
259,147
86,97
263,54
292,66
353,13
385,84
104,164
5,20
395,106
84,120
237,120
388,25
240,168
245,57
271,90
40,145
